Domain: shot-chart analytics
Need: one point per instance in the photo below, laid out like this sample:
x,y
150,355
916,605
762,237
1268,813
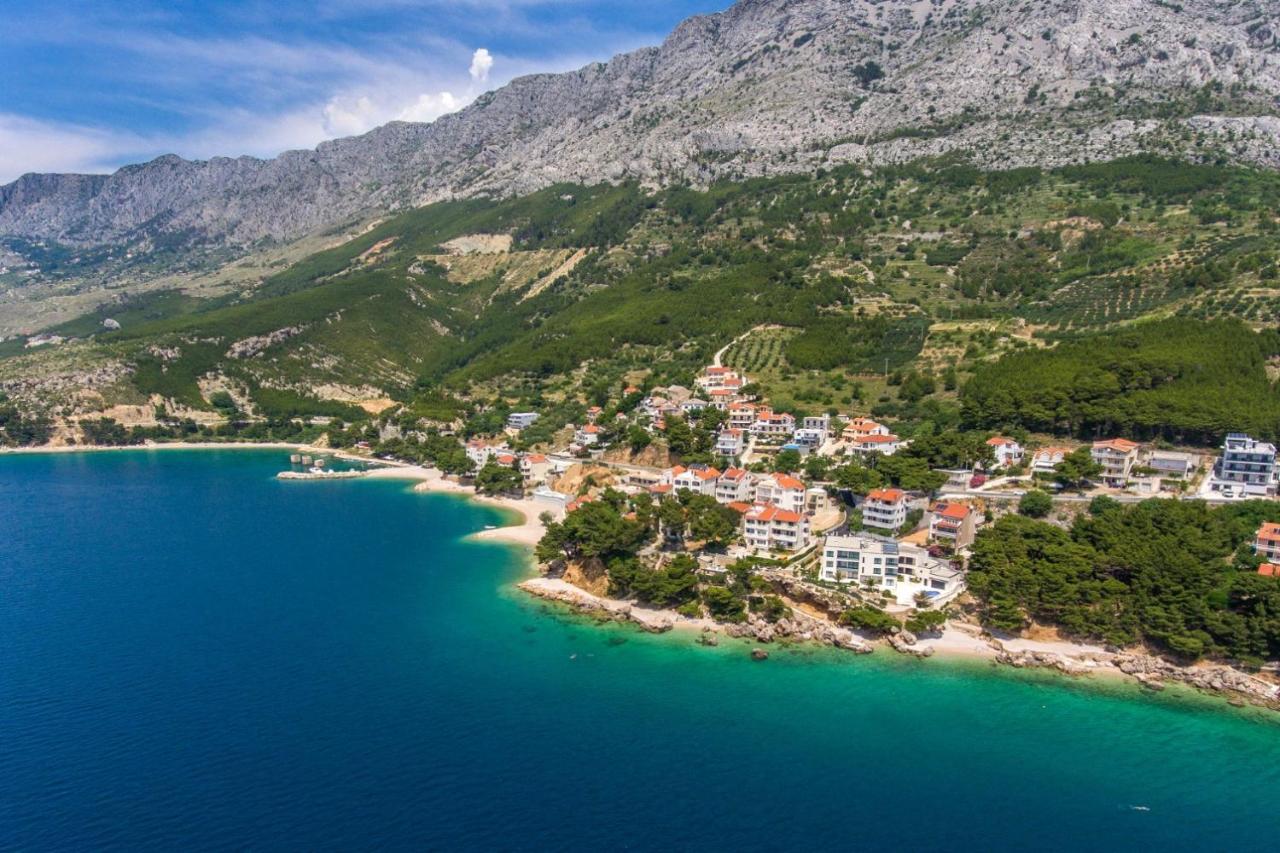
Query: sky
x,y
90,86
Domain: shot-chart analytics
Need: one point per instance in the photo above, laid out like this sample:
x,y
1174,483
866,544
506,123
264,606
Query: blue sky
x,y
90,86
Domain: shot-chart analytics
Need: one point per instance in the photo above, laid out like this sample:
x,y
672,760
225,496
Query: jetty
x,y
320,475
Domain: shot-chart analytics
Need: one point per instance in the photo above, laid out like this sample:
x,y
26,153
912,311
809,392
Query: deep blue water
x,y
196,656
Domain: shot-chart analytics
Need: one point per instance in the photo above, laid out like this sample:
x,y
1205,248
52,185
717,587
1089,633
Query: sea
x,y
195,655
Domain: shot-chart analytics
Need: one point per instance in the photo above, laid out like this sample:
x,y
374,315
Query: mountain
x,y
766,87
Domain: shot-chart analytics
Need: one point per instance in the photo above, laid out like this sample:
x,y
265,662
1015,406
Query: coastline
x,y
526,532
956,641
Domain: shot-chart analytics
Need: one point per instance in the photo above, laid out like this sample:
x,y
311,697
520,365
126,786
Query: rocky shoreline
x,y
1239,688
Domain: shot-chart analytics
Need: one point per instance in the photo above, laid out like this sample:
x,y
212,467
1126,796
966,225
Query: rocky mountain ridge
x,y
767,86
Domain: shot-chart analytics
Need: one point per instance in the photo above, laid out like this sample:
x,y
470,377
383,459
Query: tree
x,y
723,605
868,619
770,607
498,479
672,517
926,621
857,478
1035,503
710,521
671,586
787,461
596,529
638,438
1076,469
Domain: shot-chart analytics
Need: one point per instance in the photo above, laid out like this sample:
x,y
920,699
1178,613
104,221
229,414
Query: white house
x,y
735,486
780,490
859,428
775,425
520,421
694,405
1173,464
1266,542
807,437
884,444
1007,451
480,451
885,509
1247,464
700,480
1046,459
1117,456
587,435
742,415
821,423
771,528
716,378
731,442
878,561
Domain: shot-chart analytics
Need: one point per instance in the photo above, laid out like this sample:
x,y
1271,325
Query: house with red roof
x,y
735,485
780,490
953,524
699,479
1045,459
1270,570
883,444
1008,452
587,435
885,509
535,467
775,425
1117,456
1266,543
731,442
859,428
770,528
742,415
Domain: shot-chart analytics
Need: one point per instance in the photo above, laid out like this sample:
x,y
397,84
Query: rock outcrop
x,y
767,86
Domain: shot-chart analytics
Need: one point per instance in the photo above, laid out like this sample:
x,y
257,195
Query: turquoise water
x,y
196,656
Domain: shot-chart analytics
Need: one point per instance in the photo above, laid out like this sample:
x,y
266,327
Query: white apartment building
x,y
885,509
770,528
735,486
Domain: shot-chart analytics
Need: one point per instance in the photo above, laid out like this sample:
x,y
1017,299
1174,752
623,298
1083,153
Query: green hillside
x,y
888,290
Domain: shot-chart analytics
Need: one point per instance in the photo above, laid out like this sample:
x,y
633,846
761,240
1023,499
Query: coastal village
x,y
773,510
706,507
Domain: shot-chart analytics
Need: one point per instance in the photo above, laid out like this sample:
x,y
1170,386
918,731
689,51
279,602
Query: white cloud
x,y
29,145
481,64
430,107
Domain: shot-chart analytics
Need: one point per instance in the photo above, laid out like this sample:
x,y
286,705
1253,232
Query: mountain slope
x,y
768,86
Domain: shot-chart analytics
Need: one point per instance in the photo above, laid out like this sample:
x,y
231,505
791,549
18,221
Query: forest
x,y
1176,575
1177,379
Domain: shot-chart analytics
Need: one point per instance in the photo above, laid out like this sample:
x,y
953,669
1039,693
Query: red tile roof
x,y
1123,445
739,507
957,511
773,513
1271,570
878,439
891,496
786,482
1000,441
1269,531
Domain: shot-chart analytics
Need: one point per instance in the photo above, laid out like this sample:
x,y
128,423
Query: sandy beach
x,y
526,533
